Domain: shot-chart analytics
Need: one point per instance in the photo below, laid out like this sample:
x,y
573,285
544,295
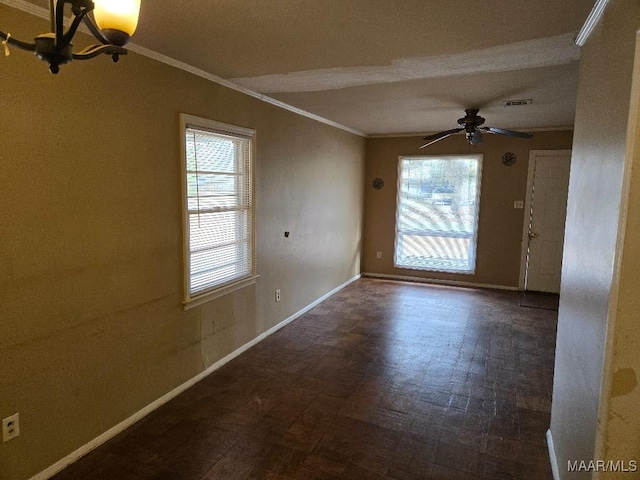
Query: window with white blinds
x,y
437,213
218,202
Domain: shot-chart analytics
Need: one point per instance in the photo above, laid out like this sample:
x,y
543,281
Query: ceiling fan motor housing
x,y
471,121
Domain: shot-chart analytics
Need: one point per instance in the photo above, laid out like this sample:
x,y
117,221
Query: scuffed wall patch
x,y
624,382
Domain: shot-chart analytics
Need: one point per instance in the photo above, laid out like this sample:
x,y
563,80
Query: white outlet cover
x,y
10,427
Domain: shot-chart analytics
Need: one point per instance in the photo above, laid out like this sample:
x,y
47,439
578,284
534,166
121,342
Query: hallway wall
x,y
588,288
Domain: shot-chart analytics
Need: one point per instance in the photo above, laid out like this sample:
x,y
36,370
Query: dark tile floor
x,y
383,380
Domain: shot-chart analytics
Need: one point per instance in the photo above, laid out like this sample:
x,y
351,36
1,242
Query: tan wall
x,y
91,319
620,409
590,254
500,225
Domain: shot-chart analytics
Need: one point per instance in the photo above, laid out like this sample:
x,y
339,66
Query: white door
x,y
547,217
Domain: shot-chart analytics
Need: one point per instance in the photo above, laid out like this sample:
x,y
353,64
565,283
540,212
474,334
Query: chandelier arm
x,y
64,39
31,47
68,36
59,30
93,28
95,50
52,15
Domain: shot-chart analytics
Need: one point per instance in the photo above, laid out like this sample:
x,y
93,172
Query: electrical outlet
x,y
518,204
10,427
378,254
277,295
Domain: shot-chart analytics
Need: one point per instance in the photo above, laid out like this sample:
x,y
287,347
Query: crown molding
x,y
591,22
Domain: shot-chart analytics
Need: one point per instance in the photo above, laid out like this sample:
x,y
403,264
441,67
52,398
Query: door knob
x,y
533,235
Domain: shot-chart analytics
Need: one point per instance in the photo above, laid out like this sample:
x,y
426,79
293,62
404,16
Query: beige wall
x,y
500,225
619,431
91,319
583,424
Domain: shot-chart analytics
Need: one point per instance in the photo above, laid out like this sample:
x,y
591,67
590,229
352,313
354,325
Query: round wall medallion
x,y
377,183
509,159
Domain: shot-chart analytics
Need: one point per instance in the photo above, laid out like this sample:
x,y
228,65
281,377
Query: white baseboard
x,y
299,313
113,431
552,456
436,281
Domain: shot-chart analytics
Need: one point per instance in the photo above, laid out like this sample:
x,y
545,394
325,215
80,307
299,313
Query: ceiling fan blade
x,y
441,135
446,133
508,133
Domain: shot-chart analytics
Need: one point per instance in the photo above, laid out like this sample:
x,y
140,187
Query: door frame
x,y
526,217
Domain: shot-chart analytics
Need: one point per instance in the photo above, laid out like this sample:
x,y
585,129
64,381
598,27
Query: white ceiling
x,y
384,66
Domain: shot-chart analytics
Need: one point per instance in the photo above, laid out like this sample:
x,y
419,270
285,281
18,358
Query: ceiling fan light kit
x,y
471,126
115,22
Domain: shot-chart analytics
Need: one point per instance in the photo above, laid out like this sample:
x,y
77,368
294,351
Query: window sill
x,y
435,270
219,292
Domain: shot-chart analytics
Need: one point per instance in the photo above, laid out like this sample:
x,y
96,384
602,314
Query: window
x,y
437,213
218,208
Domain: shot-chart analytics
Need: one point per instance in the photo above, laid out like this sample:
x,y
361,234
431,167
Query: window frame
x,y
198,123
479,157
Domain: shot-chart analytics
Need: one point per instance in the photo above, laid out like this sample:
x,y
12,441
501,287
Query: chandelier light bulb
x,y
117,19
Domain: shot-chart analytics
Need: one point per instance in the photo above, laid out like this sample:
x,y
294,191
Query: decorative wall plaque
x,y
377,183
509,159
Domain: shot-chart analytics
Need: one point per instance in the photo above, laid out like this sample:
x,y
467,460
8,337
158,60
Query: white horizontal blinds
x,y
437,213
219,203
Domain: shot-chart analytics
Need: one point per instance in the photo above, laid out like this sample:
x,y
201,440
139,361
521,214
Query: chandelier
x,y
115,21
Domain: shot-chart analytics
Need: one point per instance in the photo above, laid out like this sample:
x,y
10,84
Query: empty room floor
x,y
384,380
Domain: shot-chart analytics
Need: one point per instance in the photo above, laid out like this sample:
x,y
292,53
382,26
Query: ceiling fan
x,y
470,125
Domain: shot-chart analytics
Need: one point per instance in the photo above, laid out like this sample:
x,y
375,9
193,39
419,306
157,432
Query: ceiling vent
x,y
517,103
